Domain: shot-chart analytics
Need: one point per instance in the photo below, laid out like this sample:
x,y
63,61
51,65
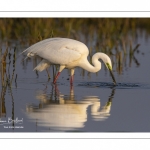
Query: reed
x,y
7,65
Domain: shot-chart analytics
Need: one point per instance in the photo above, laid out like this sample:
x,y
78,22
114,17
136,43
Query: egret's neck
x,y
87,66
95,61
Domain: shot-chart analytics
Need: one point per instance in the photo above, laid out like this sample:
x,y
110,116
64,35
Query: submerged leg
x,y
71,78
60,69
48,73
71,93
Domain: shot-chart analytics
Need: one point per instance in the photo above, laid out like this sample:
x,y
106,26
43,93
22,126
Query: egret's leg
x,y
56,90
71,78
48,73
71,93
60,70
46,86
56,77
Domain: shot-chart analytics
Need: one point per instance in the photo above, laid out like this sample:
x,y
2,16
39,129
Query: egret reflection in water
x,y
64,112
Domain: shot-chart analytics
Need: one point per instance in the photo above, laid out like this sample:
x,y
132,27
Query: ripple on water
x,y
117,86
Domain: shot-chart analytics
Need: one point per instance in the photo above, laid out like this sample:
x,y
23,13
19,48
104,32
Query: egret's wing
x,y
56,50
63,56
39,46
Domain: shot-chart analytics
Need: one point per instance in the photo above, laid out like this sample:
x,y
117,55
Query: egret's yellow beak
x,y
111,73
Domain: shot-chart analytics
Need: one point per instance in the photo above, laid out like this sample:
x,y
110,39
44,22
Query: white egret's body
x,y
67,53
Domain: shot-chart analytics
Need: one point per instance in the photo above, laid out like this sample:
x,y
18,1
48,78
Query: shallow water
x,y
93,104
117,86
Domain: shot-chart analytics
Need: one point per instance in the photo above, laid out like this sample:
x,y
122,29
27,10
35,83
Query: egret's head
x,y
109,67
107,61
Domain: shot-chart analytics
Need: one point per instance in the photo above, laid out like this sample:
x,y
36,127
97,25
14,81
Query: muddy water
x,y
94,104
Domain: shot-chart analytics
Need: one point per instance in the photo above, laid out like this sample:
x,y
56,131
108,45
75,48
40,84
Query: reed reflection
x,y
7,76
64,112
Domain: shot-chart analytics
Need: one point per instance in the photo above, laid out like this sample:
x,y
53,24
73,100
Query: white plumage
x,y
67,53
58,50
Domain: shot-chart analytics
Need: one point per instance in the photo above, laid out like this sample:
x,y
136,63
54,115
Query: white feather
x,y
42,65
58,50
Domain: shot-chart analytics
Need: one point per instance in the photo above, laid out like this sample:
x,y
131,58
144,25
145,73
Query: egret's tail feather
x,y
24,51
25,58
42,65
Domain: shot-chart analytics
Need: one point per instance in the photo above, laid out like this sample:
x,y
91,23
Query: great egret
x,y
67,53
